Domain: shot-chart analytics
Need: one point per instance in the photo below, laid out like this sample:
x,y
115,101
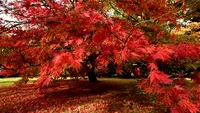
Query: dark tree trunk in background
x,y
91,72
92,76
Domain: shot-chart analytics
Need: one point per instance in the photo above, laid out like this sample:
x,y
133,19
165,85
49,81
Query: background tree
x,y
193,11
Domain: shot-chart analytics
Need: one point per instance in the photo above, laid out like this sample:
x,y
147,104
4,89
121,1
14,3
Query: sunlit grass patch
x,y
5,82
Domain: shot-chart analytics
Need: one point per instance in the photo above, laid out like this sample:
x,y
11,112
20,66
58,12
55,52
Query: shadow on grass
x,y
116,95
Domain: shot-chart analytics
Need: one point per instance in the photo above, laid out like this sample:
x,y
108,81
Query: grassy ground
x,y
4,82
68,96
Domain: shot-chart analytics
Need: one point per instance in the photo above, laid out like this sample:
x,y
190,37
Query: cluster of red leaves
x,y
60,34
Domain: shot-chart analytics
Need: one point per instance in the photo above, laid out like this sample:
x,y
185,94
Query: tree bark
x,y
92,76
91,72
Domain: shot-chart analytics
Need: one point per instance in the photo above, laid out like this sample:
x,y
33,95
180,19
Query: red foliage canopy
x,y
50,35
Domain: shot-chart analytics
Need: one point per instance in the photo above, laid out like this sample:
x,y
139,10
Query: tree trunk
x,y
92,76
91,72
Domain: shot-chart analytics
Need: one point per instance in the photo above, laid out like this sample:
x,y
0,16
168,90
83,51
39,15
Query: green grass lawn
x,y
5,82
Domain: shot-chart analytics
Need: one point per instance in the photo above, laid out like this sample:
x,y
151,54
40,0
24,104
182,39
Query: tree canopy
x,y
47,37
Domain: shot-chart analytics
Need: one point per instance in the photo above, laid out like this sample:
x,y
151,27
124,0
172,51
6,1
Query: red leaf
x,y
44,68
62,59
103,60
150,49
79,41
7,72
156,28
197,90
33,20
163,54
180,74
159,77
153,66
123,55
76,65
134,55
177,87
20,43
79,53
187,105
175,110
100,36
196,77
160,34
119,70
86,14
43,80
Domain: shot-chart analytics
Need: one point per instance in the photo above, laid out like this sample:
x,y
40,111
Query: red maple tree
x,y
49,36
